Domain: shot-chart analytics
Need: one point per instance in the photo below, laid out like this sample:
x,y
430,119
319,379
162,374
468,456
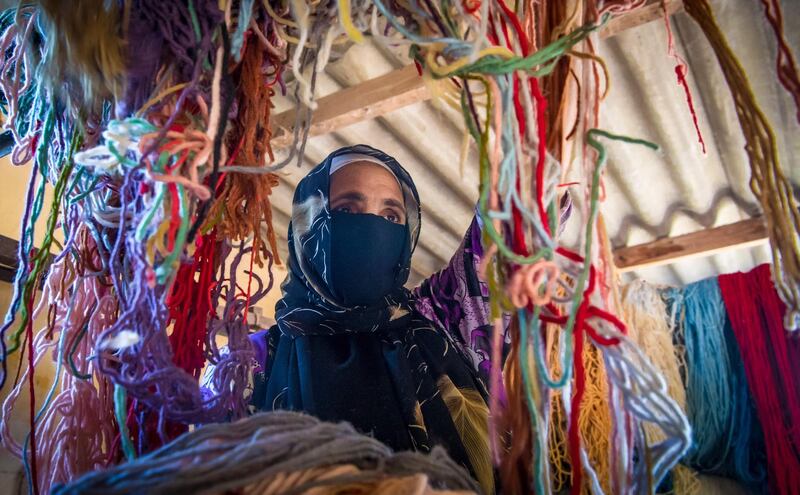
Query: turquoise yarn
x,y
726,433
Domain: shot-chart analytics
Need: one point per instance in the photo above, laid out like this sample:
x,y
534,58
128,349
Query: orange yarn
x,y
244,201
515,465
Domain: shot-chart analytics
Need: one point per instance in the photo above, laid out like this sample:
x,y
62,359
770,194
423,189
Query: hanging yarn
x,y
244,201
157,381
768,183
287,449
75,428
128,190
83,51
646,316
190,316
772,364
517,463
785,64
594,423
681,70
160,154
725,440
490,53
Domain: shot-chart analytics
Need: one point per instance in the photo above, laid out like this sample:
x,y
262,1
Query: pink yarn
x,y
76,432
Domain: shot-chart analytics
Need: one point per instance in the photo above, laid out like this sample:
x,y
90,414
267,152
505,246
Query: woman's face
x,y
364,187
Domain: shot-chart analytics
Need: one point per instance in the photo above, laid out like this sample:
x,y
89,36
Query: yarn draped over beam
x,y
490,54
291,450
768,182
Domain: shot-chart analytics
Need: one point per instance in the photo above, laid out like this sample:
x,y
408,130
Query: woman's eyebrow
x,y
351,196
394,203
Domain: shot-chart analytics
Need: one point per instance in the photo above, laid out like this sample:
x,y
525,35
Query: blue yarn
x,y
717,397
237,40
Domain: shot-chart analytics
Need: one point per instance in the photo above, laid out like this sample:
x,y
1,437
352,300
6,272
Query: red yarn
x,y
541,122
585,312
573,433
772,365
471,6
785,64
249,284
190,307
681,71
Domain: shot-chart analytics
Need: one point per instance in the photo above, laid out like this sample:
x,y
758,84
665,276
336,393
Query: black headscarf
x,y
309,305
384,368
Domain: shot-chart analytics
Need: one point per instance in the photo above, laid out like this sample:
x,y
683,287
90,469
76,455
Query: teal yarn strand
x,y
120,406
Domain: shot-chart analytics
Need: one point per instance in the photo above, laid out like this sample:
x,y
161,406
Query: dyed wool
x,y
785,63
75,428
244,201
648,323
768,182
726,434
276,452
163,184
772,363
595,426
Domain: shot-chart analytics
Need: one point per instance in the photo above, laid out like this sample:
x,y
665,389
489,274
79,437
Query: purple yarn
x,y
178,37
22,270
142,60
166,30
208,21
146,369
175,23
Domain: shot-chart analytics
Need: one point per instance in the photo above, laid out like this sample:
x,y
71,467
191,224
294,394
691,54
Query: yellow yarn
x,y
347,22
443,70
159,97
594,421
471,419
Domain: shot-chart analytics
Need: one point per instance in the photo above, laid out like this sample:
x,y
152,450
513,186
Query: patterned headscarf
x,y
309,306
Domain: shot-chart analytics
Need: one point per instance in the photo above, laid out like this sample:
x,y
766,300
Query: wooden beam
x,y
404,87
364,101
739,235
649,12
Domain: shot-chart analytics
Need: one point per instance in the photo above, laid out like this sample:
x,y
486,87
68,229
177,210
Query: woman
x,y
352,344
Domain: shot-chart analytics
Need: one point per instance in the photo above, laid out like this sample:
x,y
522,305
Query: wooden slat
x,y
403,87
363,101
746,233
651,11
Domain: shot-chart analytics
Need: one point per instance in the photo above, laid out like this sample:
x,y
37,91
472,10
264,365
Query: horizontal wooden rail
x,y
364,101
739,235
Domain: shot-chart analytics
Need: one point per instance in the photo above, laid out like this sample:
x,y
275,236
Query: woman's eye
x,y
343,209
392,218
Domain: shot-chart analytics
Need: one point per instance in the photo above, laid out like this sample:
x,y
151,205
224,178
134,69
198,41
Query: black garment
x,y
385,368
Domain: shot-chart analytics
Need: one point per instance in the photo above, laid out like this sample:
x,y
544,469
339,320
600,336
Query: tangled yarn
x,y
768,182
291,450
153,126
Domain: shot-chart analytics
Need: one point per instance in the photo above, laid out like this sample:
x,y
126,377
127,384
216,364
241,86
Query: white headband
x,y
346,159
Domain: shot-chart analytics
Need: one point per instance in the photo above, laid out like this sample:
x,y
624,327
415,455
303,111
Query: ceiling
x,y
648,195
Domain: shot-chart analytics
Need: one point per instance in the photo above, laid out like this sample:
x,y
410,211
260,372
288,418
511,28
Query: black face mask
x,y
366,252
